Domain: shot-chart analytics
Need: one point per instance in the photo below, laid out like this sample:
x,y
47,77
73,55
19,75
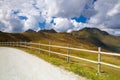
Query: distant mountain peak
x,y
30,30
51,31
94,30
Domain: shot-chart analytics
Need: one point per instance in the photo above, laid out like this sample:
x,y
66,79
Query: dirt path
x,y
19,65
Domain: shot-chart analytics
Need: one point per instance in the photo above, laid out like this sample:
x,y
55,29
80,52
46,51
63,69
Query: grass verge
x,y
79,67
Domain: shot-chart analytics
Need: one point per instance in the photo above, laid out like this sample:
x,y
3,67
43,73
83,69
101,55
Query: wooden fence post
x,y
13,44
40,48
49,48
68,53
4,43
30,45
9,44
17,44
24,44
20,44
99,60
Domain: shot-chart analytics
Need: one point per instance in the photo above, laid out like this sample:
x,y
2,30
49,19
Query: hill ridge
x,y
89,38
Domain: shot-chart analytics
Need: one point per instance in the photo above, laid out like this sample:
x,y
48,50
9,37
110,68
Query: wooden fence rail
x,y
99,52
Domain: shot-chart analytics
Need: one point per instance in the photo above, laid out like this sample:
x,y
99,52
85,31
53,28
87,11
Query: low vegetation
x,y
82,68
86,38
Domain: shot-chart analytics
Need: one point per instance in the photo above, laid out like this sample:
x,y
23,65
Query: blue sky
x,y
80,19
62,15
22,17
42,25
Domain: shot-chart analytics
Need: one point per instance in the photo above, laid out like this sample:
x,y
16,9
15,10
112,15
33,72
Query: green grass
x,y
87,55
79,67
77,40
82,68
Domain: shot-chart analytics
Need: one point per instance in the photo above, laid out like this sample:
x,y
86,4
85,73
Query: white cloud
x,y
39,11
31,23
78,25
10,23
108,15
102,13
64,8
103,7
62,24
11,10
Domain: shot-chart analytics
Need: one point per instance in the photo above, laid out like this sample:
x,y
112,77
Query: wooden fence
x,y
99,52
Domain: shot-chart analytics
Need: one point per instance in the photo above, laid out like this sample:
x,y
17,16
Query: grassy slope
x,y
87,38
88,70
12,37
79,67
59,39
99,38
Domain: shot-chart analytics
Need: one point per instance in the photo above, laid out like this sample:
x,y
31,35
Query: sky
x,y
60,15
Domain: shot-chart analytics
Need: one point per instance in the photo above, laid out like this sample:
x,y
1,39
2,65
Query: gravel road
x,y
19,65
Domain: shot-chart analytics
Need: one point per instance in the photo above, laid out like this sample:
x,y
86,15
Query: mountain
x,y
4,37
99,38
30,30
88,38
49,31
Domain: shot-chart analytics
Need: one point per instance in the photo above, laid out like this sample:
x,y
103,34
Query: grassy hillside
x,y
4,37
99,38
88,38
82,68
